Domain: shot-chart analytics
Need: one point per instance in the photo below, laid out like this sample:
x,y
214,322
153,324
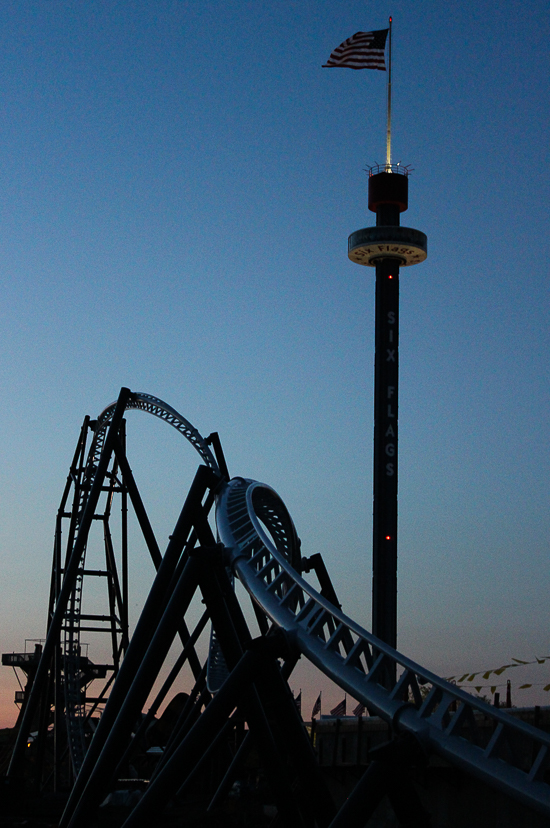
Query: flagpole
x,y
388,133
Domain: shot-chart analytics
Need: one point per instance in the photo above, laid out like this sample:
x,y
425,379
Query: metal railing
x,y
399,169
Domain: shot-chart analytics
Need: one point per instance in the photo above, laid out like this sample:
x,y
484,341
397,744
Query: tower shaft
x,y
386,388
386,247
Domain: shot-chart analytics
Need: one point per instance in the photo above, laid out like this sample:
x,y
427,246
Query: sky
x,y
178,181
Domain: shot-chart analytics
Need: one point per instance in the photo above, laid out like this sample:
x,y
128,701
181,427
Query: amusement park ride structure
x,y
387,247
83,726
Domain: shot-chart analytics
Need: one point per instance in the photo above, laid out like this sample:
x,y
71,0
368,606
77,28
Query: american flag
x,y
364,50
359,710
340,709
298,702
316,706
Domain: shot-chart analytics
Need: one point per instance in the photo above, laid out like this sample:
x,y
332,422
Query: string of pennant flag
x,y
459,680
498,671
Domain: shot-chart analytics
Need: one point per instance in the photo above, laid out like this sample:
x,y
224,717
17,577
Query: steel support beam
x,y
41,680
161,591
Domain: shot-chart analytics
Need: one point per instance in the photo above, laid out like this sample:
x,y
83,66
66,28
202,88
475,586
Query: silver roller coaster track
x,y
152,405
254,526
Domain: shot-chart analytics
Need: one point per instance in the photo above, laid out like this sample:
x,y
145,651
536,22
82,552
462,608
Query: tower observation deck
x,y
386,247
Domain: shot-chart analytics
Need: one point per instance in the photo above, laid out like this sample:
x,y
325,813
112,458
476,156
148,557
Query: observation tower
x,y
386,247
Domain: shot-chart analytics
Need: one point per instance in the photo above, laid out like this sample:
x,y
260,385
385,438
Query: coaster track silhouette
x,y
85,743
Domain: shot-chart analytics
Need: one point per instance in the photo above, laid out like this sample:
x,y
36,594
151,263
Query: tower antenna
x,y
388,133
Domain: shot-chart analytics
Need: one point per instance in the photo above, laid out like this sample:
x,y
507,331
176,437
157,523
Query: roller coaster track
x,y
152,405
444,722
73,690
262,550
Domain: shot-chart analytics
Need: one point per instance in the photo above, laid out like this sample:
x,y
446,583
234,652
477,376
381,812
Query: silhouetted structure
x,y
387,247
239,729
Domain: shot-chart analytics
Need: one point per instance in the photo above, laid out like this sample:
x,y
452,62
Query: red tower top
x,y
389,188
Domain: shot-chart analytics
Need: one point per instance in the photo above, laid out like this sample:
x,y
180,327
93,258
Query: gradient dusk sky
x,y
178,180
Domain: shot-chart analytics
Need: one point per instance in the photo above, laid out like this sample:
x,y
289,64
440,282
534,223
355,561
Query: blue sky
x,y
177,184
